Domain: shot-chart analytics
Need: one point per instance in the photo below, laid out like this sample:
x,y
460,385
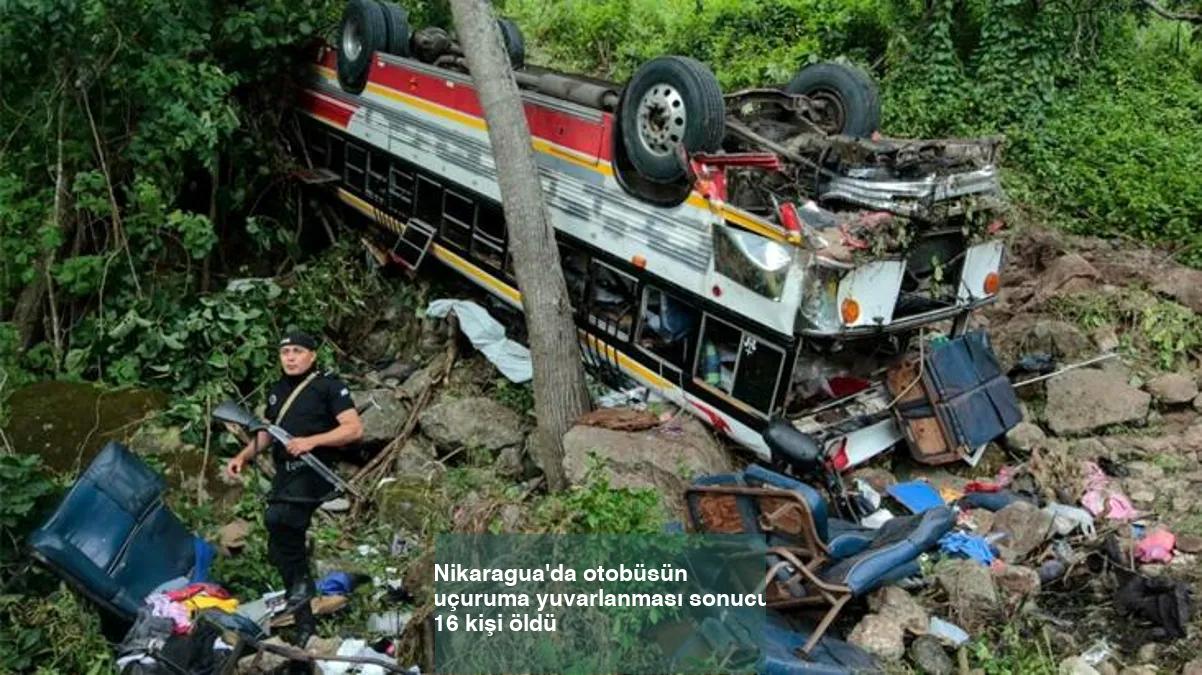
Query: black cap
x,y
300,339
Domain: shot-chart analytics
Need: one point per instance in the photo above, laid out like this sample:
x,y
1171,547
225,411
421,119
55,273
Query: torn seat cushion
x,y
112,537
897,545
971,395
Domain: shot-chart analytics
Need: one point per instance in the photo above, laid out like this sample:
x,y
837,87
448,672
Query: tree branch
x,y
1169,14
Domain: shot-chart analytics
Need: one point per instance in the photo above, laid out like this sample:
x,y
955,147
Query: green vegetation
x,y
1153,332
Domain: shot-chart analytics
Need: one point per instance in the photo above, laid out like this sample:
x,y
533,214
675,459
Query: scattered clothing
x,y
990,501
1160,600
947,632
1101,500
964,545
335,583
163,606
1156,547
488,337
1068,519
202,601
191,590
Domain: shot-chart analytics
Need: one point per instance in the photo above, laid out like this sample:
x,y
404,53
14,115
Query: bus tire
x,y
852,100
363,31
515,43
396,19
671,102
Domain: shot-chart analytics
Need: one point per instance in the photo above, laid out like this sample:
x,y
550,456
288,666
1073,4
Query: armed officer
x,y
317,410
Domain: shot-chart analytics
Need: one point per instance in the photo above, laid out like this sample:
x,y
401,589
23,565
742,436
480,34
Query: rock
x,y
664,458
1082,400
1065,275
152,439
265,661
1147,653
511,518
879,635
1146,669
1181,284
473,423
415,384
1025,437
1075,665
411,503
418,458
319,646
1025,526
397,370
1017,582
1198,403
232,535
509,463
927,653
1107,668
1189,543
1173,388
1192,668
972,596
336,505
383,417
1139,491
895,602
1105,338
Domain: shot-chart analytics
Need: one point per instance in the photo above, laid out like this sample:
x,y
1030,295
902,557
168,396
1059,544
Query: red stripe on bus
x,y
335,111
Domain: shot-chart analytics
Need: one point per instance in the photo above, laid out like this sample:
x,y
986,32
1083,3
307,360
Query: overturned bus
x,y
757,256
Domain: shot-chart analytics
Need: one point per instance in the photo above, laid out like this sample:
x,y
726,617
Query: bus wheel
x,y
847,99
396,21
515,44
364,31
669,103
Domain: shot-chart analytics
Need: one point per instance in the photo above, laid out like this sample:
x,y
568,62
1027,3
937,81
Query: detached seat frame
x,y
802,561
113,539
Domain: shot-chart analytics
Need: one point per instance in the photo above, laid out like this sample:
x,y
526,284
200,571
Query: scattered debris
x,y
488,337
928,654
880,635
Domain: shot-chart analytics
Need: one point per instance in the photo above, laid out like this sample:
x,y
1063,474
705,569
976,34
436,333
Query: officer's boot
x,y
299,595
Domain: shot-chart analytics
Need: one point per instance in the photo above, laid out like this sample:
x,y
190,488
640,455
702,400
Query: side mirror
x,y
792,447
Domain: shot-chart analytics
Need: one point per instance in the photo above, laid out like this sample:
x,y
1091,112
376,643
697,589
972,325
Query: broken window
x,y
356,167
739,363
612,299
575,273
667,326
754,262
458,219
377,177
400,193
488,238
429,202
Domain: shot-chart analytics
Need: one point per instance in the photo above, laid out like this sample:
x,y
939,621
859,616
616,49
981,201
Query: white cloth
x,y
488,336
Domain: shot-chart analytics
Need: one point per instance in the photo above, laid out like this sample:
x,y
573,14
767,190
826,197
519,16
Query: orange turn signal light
x,y
992,283
850,311
639,262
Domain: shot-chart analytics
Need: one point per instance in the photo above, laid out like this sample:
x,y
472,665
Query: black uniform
x,y
297,490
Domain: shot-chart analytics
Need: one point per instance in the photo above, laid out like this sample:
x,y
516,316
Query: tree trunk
x,y
560,396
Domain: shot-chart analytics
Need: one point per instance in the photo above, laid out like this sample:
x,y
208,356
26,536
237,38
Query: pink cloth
x,y
1157,546
161,605
1114,505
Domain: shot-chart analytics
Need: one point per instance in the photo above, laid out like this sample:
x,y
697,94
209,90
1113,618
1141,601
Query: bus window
x,y
759,373
400,193
428,208
356,167
458,218
575,273
666,326
317,144
718,357
611,300
336,154
377,177
488,237
739,363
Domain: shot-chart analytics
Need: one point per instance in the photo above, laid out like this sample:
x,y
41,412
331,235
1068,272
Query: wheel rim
x,y
352,40
830,113
662,119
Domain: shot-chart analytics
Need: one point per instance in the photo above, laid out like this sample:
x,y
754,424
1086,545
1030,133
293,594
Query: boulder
x,y
1080,401
1198,403
1025,436
1192,668
897,603
666,458
1028,335
475,423
418,458
1025,527
1017,582
928,654
509,463
1181,284
1173,388
383,415
1146,669
1065,275
1105,338
972,596
1189,543
879,635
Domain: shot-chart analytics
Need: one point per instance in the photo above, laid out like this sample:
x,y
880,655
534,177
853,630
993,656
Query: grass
x,y
1154,333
